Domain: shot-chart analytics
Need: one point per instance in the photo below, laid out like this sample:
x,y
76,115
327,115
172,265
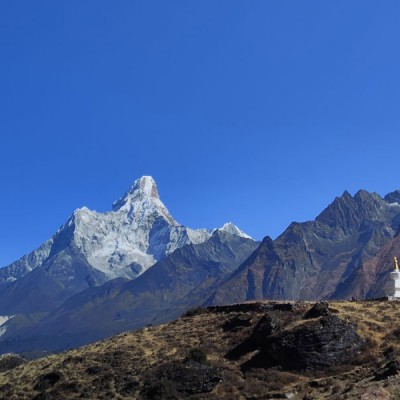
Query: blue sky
x,y
257,112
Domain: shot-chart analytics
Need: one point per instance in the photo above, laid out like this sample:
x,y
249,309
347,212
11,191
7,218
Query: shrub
x,y
197,354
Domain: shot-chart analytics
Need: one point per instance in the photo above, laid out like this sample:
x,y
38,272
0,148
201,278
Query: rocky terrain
x,y
324,258
261,350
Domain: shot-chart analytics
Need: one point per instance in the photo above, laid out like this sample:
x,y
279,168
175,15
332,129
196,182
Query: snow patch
x,y
199,235
3,320
231,228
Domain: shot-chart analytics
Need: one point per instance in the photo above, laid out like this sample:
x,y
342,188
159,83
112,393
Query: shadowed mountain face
x,y
50,284
318,259
174,284
369,278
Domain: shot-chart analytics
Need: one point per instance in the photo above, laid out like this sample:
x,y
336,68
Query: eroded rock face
x,y
317,344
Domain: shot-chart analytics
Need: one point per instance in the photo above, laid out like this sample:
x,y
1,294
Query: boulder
x,y
314,345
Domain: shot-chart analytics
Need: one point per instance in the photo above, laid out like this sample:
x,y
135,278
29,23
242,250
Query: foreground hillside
x,y
254,351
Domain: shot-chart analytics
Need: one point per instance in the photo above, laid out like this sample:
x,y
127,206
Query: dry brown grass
x,y
114,368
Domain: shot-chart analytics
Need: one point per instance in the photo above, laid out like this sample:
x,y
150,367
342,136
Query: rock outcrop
x,y
295,340
314,345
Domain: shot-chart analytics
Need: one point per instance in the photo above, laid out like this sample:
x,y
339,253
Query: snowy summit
x,y
123,242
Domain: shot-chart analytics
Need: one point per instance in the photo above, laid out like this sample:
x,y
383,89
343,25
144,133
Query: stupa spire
x,y
392,287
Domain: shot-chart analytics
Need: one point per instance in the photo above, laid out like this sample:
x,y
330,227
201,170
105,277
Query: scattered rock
x,y
318,310
314,345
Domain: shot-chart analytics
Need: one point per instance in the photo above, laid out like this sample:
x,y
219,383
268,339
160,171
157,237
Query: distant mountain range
x,y
322,259
103,273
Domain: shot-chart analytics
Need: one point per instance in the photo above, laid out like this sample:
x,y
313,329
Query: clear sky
x,y
259,112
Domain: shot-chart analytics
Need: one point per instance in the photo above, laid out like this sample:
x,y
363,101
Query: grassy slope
x,y
115,368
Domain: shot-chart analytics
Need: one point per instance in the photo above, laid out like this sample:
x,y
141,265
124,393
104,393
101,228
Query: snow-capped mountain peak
x,y
145,186
142,199
123,242
231,228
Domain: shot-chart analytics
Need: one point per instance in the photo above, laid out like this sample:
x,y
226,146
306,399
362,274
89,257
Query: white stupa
x,y
392,286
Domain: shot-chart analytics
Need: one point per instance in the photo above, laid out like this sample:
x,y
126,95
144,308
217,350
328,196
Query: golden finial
x,y
396,265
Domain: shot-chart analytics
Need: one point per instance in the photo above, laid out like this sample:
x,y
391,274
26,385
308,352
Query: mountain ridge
x,y
123,242
311,260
